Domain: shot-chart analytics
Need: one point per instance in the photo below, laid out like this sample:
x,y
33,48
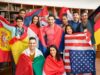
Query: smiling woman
x,y
53,64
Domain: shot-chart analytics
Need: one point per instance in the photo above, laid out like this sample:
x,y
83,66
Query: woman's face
x,y
35,20
53,52
64,20
69,30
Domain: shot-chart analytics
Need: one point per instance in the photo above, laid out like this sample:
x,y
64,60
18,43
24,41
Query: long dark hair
x,y
70,27
57,52
38,23
64,15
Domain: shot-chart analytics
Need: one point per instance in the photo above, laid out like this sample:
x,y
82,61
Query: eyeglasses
x,y
19,21
32,43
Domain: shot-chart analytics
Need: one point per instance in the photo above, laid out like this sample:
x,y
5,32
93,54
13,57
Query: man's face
x,y
51,20
84,17
19,23
32,44
76,16
22,14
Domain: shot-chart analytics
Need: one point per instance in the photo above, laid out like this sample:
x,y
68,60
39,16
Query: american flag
x,y
79,56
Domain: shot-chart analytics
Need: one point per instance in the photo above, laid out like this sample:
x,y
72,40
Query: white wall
x,y
83,4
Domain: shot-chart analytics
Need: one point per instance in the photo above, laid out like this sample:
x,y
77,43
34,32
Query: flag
x,y
79,56
29,15
38,65
43,16
17,45
65,11
53,67
67,60
34,31
95,19
97,32
44,12
26,66
5,37
88,35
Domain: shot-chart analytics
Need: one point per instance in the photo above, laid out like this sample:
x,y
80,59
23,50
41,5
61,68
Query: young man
x,y
18,30
86,24
31,60
75,22
22,13
52,32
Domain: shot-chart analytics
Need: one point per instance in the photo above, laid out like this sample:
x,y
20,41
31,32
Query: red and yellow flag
x,y
5,37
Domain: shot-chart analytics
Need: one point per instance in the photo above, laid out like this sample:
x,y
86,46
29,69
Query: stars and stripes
x,y
67,61
79,56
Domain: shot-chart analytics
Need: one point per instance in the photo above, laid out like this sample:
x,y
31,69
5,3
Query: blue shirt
x,y
75,25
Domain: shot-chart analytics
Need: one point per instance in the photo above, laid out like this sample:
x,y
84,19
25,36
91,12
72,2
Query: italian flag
x,y
26,66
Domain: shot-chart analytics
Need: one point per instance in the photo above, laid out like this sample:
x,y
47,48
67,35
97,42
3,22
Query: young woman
x,y
69,30
53,64
64,21
34,27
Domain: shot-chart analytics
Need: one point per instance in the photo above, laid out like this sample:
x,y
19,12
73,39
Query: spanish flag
x,y
5,37
16,45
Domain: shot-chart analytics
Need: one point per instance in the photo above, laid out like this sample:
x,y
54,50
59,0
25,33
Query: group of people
x,y
36,60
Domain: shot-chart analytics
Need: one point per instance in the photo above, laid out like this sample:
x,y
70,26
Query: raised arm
x,y
10,28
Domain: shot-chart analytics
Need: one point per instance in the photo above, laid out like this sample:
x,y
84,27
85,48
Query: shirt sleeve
x,y
10,28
